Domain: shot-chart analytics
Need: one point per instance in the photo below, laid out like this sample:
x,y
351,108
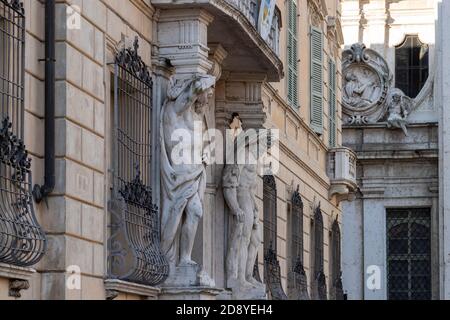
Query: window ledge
x,y
13,272
18,278
113,287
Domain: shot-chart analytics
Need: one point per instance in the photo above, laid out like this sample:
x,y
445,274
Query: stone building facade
x,y
288,80
393,233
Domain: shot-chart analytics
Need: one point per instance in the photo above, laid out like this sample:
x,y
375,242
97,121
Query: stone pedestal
x,y
254,293
188,276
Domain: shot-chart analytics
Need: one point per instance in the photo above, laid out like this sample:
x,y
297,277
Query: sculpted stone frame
x,y
366,82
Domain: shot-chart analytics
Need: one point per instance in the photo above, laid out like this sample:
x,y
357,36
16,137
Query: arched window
x,y
270,213
297,283
272,270
337,291
274,36
411,65
319,281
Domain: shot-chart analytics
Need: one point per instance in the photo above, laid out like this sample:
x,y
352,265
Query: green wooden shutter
x,y
292,47
316,85
332,103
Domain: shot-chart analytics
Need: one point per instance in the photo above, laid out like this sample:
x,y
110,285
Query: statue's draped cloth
x,y
179,182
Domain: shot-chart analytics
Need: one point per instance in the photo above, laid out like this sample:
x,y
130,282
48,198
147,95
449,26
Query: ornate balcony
x,y
342,173
235,26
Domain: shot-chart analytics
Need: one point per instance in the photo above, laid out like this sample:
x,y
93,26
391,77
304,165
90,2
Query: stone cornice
x,y
325,182
294,115
377,155
144,6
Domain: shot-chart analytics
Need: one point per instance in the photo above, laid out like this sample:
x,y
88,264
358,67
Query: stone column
x,y
375,16
351,21
352,249
443,101
374,246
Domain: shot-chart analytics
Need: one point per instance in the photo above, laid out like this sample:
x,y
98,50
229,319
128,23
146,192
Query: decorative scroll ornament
x,y
129,59
137,193
366,82
22,240
12,149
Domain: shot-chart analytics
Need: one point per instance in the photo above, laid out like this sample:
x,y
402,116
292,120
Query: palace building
x,y
116,123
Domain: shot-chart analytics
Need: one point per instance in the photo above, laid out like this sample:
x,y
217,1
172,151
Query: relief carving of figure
x,y
183,184
360,91
239,188
399,107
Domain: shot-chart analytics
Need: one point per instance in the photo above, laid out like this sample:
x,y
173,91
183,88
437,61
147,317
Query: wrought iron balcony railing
x,y
342,173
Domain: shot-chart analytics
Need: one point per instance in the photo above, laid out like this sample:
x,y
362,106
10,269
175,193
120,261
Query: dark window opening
x,y
411,65
409,254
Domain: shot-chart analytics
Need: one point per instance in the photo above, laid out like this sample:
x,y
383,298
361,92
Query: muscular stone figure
x,y
239,187
183,183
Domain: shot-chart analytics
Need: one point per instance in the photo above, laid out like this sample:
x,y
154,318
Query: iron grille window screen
x,y
134,244
320,288
272,270
409,254
297,227
297,282
270,213
411,65
336,273
22,240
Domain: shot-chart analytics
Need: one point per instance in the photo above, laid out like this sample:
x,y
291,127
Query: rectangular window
x,y
292,55
409,254
332,103
316,84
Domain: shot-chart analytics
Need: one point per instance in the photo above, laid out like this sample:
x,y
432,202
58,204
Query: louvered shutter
x,y
316,80
332,103
292,82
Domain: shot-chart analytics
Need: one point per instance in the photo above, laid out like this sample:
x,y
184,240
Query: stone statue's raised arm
x,y
186,91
